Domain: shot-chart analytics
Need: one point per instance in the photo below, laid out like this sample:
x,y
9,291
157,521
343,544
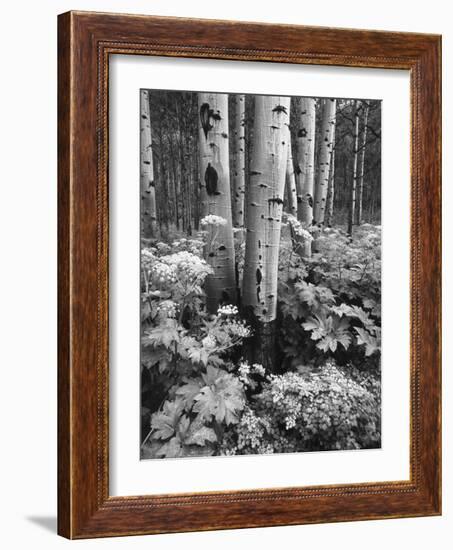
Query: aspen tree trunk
x,y
300,245
238,160
174,173
331,190
216,197
354,172
147,190
291,181
264,212
327,137
361,168
305,161
165,196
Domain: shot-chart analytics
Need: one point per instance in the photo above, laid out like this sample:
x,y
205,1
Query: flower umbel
x,y
227,310
213,220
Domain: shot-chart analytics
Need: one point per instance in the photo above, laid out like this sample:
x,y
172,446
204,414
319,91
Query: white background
x,y
28,275
129,476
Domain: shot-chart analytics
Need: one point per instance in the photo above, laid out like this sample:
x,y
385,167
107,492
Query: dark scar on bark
x,y
280,109
205,114
277,200
211,179
258,276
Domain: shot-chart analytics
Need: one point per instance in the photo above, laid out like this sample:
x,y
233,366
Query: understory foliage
x,y
200,396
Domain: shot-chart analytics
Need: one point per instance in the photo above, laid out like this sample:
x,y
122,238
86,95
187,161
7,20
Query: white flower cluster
x,y
163,273
194,246
298,228
227,310
259,369
245,371
289,390
209,342
213,220
252,428
183,266
167,308
192,265
239,329
148,258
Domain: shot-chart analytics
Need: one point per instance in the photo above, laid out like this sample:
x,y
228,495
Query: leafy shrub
x,y
187,353
330,305
325,409
193,421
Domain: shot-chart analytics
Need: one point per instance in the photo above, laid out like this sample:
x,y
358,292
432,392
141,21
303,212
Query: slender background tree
x,y
354,171
291,190
305,167
148,196
326,140
362,166
238,159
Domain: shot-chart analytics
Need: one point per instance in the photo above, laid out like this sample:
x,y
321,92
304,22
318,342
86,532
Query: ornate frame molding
x,y
86,40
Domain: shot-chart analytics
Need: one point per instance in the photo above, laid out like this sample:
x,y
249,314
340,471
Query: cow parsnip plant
x,y
330,304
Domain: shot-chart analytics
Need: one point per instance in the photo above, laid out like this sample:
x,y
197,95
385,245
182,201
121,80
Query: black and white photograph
x,y
260,273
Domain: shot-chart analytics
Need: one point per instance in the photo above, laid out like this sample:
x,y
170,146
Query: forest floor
x,y
201,396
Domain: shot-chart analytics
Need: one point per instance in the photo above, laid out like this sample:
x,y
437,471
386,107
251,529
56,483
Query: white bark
x,y
216,197
147,190
362,168
305,161
354,172
326,136
291,181
238,160
331,191
264,205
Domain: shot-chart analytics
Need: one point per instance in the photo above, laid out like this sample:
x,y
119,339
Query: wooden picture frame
x,y
85,41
